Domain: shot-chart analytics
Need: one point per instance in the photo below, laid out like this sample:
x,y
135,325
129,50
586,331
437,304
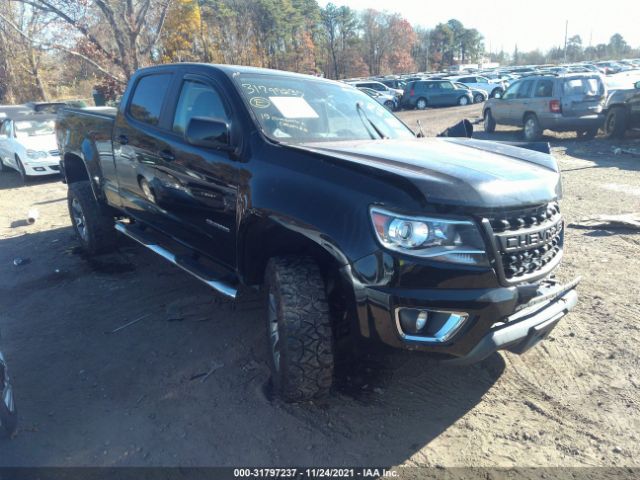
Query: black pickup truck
x,y
316,195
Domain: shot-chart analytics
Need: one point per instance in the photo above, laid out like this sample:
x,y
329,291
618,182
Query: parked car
x,y
563,103
28,145
8,411
434,93
329,205
389,101
377,86
396,83
622,111
478,95
483,83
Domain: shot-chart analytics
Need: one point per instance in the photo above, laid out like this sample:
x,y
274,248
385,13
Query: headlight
x,y
442,239
36,154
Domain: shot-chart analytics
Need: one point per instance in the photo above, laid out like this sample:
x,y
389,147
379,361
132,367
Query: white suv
x,y
377,86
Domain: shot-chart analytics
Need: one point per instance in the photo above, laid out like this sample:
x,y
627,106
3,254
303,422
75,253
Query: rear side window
x,y
148,97
544,88
581,86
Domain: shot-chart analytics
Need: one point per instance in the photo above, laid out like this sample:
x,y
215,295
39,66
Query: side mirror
x,y
637,84
209,133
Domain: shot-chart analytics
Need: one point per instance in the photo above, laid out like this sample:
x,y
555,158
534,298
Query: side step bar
x,y
185,263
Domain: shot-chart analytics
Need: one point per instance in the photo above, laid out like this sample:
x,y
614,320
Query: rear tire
x,y
421,103
489,122
532,130
94,228
298,329
615,125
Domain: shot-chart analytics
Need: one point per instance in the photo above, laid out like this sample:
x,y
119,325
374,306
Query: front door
x,y
204,181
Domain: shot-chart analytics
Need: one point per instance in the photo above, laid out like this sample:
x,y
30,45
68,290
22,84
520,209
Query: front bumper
x,y
500,317
48,166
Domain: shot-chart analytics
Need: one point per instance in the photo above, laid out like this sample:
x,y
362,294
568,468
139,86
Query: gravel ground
x,y
138,397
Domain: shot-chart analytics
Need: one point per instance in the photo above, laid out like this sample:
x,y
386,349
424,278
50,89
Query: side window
x,y
378,87
481,80
544,88
197,100
446,86
512,91
525,89
148,97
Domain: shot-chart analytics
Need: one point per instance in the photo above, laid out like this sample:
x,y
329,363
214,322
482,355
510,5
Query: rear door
x,y
139,140
582,96
447,94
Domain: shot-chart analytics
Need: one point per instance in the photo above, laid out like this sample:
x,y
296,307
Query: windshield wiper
x,y
365,119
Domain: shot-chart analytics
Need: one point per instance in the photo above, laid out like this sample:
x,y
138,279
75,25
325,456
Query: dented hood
x,y
457,171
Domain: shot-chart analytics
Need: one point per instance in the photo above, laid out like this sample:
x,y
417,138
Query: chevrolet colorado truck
x,y
309,191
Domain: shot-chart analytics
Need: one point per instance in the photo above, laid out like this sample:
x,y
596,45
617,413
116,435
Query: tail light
x,y
411,92
555,107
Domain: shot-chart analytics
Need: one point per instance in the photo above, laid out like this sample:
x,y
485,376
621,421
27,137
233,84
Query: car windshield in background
x,y
298,110
33,128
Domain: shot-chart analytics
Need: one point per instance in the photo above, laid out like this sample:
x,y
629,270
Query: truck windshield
x,y
298,110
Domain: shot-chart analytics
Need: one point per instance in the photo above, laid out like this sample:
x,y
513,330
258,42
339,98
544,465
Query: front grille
x,y
528,242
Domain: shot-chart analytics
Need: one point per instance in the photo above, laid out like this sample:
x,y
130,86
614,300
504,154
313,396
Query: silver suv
x,y
559,103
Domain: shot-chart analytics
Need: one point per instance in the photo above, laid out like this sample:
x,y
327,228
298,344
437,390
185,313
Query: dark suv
x,y
558,103
434,93
622,112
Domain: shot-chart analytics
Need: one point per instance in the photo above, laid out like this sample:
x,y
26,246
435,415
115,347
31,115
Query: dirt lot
x,y
90,397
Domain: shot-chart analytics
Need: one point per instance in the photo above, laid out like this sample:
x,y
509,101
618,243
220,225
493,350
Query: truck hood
x,y
455,171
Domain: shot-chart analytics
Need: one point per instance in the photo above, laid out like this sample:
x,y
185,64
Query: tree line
x,y
66,48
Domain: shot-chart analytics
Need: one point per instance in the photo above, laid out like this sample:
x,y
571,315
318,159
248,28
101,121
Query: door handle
x,y
167,155
123,139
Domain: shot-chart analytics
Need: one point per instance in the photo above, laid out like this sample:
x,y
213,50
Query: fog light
x,y
38,169
421,321
431,326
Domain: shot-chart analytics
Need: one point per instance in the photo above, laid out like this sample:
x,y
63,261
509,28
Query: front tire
x,y
489,122
21,170
615,125
462,101
478,98
532,130
495,91
389,105
94,228
298,328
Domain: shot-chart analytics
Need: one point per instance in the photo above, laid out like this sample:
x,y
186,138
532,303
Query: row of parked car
x,y
581,97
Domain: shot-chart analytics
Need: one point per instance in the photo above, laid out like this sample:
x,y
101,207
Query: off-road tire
x,y
100,234
531,132
489,122
423,105
295,295
615,124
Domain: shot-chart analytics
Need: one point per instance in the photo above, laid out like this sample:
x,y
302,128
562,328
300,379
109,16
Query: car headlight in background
x,y
442,239
35,154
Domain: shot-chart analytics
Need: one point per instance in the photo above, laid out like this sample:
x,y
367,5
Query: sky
x,y
530,25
